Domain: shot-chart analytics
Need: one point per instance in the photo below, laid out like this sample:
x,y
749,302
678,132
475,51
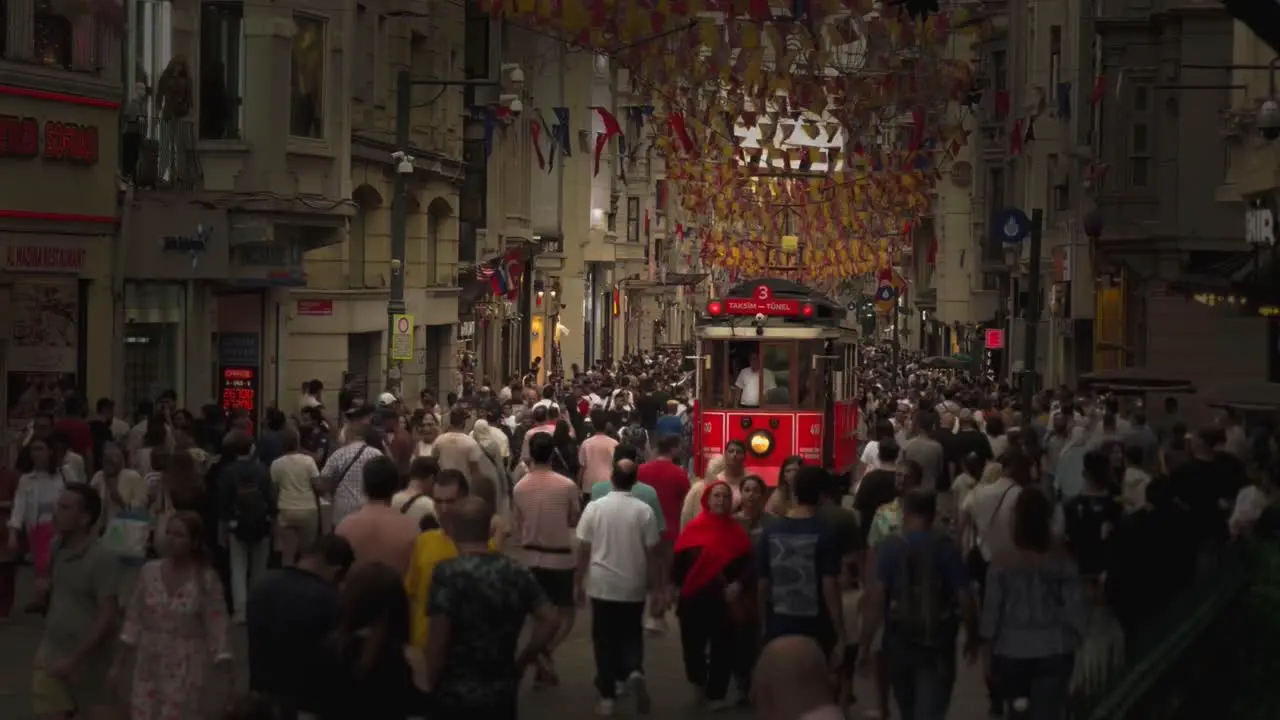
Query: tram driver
x,y
752,381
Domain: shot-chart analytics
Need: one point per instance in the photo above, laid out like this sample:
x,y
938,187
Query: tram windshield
x,y
763,373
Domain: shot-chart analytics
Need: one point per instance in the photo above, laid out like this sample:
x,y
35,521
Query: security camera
x,y
404,162
514,72
1269,119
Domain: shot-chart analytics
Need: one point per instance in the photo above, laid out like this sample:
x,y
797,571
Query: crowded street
x,y
573,700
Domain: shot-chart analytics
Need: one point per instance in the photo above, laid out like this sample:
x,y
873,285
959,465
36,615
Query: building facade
x,y
240,165
59,104
339,331
588,237
1157,216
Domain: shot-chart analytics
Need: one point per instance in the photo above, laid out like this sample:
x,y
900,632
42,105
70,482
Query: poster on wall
x,y
41,356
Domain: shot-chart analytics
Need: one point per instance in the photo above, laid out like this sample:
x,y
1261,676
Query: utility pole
x,y
1031,314
399,219
404,168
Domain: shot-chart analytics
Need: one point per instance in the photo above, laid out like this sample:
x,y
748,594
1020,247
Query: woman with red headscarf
x,y
712,559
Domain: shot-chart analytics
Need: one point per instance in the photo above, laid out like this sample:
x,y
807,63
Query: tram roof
x,y
827,311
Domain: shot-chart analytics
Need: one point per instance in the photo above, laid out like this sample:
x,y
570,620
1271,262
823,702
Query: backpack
x,y
251,511
636,437
922,610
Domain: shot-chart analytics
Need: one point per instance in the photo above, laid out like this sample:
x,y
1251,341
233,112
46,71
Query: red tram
x,y
776,371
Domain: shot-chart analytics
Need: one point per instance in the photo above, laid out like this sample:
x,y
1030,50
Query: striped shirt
x,y
545,506
345,470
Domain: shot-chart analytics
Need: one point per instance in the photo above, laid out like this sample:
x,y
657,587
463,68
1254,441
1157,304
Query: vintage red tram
x,y
776,371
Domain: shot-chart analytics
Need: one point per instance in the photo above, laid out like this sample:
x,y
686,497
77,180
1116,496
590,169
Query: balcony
x,y
160,152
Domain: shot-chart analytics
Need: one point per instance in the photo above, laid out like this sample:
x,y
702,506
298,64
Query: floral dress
x,y
177,638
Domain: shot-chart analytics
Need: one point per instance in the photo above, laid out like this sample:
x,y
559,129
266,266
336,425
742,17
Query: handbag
x,y
974,561
126,535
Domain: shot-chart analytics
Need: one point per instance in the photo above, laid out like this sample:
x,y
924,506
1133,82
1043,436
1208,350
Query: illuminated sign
x,y
239,390
63,142
994,339
44,258
761,302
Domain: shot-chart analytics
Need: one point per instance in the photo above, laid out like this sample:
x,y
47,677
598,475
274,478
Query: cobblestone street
x,y
573,700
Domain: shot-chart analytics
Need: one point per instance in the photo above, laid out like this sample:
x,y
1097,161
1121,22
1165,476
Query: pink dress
x,y
177,638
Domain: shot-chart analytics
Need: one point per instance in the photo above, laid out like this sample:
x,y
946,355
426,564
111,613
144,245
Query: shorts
x,y
557,584
51,696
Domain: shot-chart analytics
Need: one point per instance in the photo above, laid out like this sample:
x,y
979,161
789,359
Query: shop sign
x,y
1260,224
44,258
315,308
63,142
238,390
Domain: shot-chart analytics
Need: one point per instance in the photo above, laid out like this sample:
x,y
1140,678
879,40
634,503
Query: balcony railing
x,y
1155,648
160,152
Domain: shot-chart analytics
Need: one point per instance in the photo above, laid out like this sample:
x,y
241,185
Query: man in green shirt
x,y
641,491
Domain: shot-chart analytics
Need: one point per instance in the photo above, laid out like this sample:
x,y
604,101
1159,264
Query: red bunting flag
x,y
535,133
611,129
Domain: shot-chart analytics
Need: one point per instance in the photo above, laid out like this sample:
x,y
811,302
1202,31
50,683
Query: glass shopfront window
x,y
154,340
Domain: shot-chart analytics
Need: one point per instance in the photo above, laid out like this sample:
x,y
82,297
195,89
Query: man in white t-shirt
x,y
749,387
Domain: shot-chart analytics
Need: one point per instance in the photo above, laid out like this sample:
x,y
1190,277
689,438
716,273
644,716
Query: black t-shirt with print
x,y
487,599
1089,521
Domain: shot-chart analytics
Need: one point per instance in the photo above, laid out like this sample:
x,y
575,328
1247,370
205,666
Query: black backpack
x,y
922,610
252,514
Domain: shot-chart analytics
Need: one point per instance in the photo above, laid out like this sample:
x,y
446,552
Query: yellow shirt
x,y
432,548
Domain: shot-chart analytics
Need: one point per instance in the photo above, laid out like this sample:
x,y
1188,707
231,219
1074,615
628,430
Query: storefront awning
x,y
1237,273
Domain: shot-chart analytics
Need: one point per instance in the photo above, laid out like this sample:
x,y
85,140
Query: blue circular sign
x,y
1011,226
885,293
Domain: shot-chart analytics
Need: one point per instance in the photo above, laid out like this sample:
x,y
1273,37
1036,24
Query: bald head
x,y
791,678
472,519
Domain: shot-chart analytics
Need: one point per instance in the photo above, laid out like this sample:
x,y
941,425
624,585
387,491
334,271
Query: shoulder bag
x,y
975,561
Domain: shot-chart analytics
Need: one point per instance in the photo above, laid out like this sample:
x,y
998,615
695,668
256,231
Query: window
x,y
999,70
306,87
1055,57
53,36
991,281
472,200
1140,136
993,248
4,28
633,219
221,69
1059,187
381,66
475,58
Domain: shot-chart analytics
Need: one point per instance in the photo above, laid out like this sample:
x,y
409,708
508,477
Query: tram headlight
x,y
760,443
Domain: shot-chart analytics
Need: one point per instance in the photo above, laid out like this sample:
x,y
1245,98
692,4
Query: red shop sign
x,y
761,302
63,142
44,258
315,308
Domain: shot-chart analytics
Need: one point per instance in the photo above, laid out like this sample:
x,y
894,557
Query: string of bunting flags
x,y
855,105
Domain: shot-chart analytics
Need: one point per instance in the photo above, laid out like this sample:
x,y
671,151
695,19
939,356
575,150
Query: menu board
x,y
239,390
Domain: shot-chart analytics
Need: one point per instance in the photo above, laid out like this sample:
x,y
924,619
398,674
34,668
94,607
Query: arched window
x,y
438,216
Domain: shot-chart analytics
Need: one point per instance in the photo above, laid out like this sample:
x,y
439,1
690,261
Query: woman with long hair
x,y
783,496
176,638
712,557
1033,616
565,459
34,501
373,672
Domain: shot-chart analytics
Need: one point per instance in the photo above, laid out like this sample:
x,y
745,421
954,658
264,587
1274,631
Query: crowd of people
x,y
392,559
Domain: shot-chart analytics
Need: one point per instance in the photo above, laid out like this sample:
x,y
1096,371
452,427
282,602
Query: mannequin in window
x,y
174,95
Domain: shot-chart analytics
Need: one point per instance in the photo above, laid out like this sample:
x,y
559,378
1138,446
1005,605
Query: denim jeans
x,y
922,677
248,564
617,639
1041,684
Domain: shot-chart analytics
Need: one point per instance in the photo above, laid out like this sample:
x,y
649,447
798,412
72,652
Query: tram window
x,y
778,360
715,381
811,383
